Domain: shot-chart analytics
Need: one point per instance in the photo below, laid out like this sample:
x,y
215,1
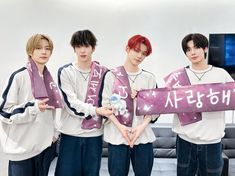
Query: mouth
x,y
194,57
138,60
43,58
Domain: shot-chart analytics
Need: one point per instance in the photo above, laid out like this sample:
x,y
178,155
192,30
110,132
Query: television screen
x,y
229,56
216,50
222,50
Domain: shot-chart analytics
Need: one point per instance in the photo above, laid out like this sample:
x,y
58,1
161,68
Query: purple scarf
x,y
92,96
122,87
176,79
43,87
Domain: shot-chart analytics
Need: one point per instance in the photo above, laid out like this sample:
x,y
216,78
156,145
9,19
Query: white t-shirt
x,y
139,80
211,128
73,82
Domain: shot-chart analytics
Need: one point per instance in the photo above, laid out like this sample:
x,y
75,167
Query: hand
x,y
134,93
135,134
42,105
104,111
138,130
125,131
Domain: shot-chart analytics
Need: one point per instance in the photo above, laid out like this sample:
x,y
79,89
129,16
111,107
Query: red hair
x,y
136,40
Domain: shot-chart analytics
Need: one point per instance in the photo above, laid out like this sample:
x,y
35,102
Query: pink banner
x,y
192,98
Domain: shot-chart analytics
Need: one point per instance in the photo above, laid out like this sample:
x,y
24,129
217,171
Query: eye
x,y
136,49
188,49
144,53
78,46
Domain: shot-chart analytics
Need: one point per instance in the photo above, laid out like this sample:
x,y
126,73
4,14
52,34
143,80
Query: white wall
x,y
164,22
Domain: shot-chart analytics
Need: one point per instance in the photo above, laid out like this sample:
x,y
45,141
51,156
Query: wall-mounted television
x,y
222,51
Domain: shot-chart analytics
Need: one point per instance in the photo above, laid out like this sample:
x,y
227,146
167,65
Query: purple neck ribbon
x,y
92,96
180,78
43,87
122,88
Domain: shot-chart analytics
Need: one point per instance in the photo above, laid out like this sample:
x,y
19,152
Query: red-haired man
x,y
129,137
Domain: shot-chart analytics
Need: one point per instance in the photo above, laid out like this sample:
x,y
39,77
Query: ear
x,y
127,49
93,49
206,50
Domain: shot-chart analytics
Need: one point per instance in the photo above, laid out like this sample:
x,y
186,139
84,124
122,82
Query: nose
x,y
193,51
44,50
83,49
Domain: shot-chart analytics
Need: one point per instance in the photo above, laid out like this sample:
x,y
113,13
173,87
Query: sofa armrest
x,y
226,164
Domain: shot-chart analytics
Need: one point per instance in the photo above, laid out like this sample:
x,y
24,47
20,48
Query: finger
x,y
127,138
50,107
42,109
110,110
133,130
42,106
129,129
109,107
131,145
132,136
44,100
133,141
113,109
133,94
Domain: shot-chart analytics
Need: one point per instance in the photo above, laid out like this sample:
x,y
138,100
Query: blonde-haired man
x,y
27,112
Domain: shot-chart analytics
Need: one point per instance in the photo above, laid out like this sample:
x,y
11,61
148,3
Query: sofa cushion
x,y
165,144
228,141
105,149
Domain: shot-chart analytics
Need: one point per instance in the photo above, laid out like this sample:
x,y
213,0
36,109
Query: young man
x,y
199,144
81,84
27,112
129,137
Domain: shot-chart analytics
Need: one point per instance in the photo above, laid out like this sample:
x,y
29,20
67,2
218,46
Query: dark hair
x,y
83,38
199,40
136,40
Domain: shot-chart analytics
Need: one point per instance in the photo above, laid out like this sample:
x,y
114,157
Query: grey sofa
x,y
165,152
228,142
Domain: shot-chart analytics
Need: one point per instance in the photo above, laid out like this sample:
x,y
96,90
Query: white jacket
x,y
24,130
74,89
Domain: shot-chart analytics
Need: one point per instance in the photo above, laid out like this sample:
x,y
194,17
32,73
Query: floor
x,y
161,167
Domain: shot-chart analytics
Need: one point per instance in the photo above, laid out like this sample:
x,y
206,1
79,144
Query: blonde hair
x,y
34,42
